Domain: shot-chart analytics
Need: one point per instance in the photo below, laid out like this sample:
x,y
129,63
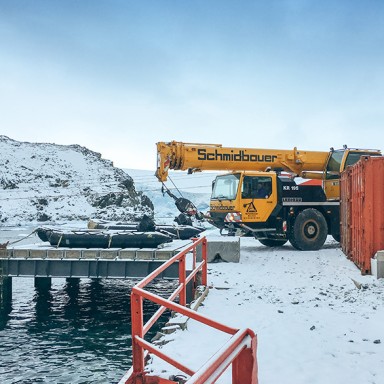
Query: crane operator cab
x,y
250,197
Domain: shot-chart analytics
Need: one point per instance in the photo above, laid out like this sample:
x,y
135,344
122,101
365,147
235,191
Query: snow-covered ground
x,y
314,325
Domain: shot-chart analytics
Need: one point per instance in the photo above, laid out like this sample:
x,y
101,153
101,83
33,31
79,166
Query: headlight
x,y
233,217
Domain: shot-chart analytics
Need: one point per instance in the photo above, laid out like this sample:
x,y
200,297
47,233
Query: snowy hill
x,y
42,182
50,183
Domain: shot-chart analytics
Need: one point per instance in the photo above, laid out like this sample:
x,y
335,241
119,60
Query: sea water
x,y
73,333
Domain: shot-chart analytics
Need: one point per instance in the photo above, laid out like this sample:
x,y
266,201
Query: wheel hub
x,y
310,230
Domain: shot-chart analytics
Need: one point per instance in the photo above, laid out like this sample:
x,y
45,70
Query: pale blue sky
x,y
118,76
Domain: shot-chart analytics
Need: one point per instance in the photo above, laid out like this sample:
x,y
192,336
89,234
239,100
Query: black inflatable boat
x,y
182,232
94,238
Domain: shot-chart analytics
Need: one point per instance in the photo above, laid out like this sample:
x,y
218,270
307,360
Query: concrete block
x,y
110,253
170,329
20,253
127,253
38,253
377,265
3,254
72,253
158,336
55,253
145,254
90,253
179,320
163,254
161,342
221,249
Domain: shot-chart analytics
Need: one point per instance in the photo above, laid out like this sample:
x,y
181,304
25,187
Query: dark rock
x,y
183,219
43,217
146,224
127,183
145,201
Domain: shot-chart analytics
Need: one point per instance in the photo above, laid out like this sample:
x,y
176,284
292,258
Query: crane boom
x,y
197,157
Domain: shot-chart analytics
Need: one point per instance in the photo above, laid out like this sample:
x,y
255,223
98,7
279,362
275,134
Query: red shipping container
x,y
362,211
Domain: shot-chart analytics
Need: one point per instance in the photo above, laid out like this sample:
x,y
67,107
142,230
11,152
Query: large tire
x,y
310,230
273,242
291,238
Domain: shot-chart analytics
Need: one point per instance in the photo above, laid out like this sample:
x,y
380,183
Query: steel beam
x,y
85,268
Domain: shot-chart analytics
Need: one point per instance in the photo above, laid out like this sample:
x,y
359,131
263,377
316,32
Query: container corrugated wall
x,y
362,211
345,209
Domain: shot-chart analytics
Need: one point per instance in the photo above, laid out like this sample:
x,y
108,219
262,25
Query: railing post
x,y
204,279
196,279
137,330
244,367
182,278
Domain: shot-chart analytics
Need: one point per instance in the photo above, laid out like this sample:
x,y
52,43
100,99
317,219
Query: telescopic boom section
x,y
214,157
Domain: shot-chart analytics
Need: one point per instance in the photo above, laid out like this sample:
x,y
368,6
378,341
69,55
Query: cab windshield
x,y
334,164
354,157
225,187
333,167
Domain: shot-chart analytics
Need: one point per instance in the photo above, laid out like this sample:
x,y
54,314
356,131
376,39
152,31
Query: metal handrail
x,y
240,349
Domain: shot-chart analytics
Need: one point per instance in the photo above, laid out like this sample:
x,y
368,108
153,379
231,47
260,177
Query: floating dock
x,y
46,262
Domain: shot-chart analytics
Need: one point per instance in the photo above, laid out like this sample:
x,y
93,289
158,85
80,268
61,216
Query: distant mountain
x,y
41,182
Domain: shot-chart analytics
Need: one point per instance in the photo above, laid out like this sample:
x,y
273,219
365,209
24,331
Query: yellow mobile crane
x,y
256,198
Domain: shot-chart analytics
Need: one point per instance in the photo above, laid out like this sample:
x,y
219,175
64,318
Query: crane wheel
x,y
273,242
292,239
309,230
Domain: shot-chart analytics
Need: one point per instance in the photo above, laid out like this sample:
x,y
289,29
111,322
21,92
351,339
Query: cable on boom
x,y
185,206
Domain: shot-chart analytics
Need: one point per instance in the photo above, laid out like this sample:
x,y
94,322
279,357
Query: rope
x,y
14,242
110,240
165,189
165,232
58,244
177,189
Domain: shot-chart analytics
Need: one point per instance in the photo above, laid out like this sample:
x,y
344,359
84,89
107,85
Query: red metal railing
x,y
240,350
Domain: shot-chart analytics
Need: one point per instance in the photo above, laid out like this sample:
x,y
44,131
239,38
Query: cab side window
x,y
256,187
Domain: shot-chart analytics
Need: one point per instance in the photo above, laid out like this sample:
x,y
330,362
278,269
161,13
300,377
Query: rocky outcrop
x,y
42,182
